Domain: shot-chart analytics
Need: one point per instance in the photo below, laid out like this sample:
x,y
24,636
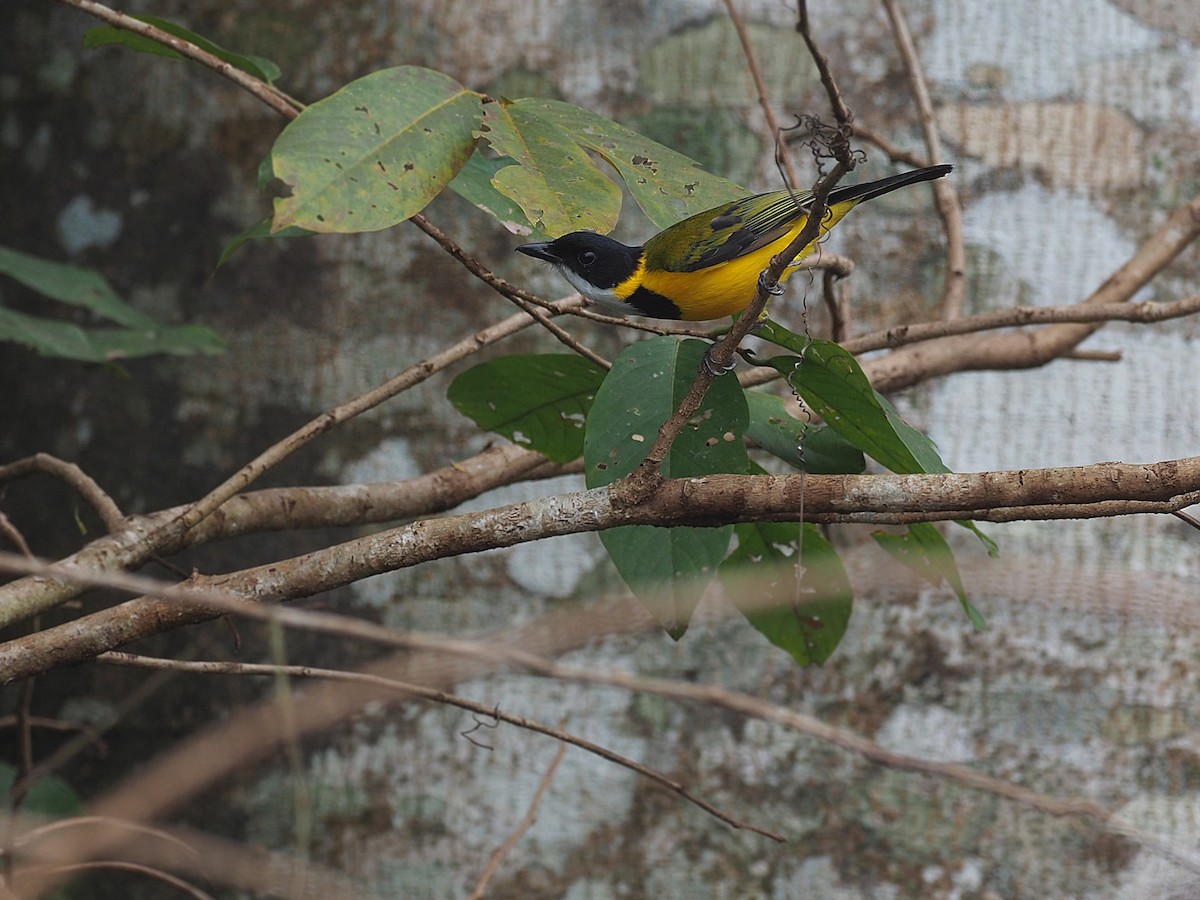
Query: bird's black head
x,y
585,257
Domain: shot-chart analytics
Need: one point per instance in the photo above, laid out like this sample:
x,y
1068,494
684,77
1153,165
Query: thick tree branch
x,y
1104,489
138,540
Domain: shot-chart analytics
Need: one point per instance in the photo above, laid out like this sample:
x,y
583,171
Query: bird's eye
x,y
586,258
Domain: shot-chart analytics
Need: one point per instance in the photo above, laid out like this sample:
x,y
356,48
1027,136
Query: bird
x,y
706,266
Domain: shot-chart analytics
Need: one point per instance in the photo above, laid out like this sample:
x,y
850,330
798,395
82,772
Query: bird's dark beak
x,y
540,251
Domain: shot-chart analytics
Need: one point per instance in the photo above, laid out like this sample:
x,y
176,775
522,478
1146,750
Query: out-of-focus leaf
x,y
103,35
71,284
923,549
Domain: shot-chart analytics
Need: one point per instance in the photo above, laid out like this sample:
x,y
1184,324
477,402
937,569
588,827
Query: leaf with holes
x,y
667,185
374,153
474,184
554,180
800,602
539,402
668,568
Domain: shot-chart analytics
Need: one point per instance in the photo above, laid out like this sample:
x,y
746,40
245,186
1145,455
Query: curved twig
x,y
69,473
131,660
945,197
437,661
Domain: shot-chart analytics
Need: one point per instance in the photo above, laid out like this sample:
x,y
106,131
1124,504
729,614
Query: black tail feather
x,y
871,189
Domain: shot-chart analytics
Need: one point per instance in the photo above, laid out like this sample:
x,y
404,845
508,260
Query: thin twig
x,y
894,153
407,379
1145,312
833,304
523,826
945,197
434,696
496,653
13,534
93,734
181,851
527,302
118,865
781,153
1187,517
841,112
269,95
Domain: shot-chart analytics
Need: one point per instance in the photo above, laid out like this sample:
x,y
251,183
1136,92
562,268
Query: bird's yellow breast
x,y
727,287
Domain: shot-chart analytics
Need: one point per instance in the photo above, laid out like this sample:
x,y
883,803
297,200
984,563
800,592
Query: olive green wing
x,y
726,232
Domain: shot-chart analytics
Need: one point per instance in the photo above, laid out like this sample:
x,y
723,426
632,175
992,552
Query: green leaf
x,y
813,448
924,450
667,185
806,609
374,153
923,549
88,289
993,549
104,35
833,384
919,444
539,402
668,568
260,229
71,284
51,337
554,181
47,336
474,184
48,796
177,340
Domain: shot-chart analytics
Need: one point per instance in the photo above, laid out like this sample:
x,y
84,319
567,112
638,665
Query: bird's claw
x,y
775,290
711,367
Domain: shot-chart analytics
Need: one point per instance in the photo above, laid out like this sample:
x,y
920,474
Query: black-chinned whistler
x,y
706,266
